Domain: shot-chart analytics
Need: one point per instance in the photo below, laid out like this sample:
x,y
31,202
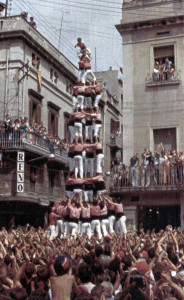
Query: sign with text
x,y
20,171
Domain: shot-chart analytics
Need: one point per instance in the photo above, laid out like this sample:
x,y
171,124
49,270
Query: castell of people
x,y
91,150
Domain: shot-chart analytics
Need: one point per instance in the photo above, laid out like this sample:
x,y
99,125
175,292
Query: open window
x,y
35,111
163,52
53,117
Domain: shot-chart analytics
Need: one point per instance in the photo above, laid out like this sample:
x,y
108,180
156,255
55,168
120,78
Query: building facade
x,y
36,85
112,99
152,32
36,82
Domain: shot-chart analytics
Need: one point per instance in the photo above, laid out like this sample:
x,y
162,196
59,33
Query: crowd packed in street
x,y
164,168
145,265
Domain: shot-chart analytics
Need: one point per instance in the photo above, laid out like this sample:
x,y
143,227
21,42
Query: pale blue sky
x,y
92,20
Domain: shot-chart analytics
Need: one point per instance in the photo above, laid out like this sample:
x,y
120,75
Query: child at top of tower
x,y
80,45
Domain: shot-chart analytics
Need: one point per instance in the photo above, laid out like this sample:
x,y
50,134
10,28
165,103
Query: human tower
x,y
88,209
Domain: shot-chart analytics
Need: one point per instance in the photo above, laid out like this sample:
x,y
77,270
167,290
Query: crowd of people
x,y
144,266
28,130
102,215
160,168
163,70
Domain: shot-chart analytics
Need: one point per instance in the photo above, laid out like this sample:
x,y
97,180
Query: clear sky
x,y
92,20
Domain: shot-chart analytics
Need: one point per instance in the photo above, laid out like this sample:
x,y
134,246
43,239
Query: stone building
x,y
36,82
153,106
112,100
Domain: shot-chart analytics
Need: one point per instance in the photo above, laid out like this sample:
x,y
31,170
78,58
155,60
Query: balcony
x,y
152,179
21,140
154,80
116,141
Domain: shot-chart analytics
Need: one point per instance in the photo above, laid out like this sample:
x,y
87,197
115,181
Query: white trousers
x,y
60,227
66,228
74,103
78,165
89,132
72,134
101,192
86,228
111,223
105,226
53,232
121,226
95,224
80,100
85,75
80,74
78,129
77,191
73,227
88,102
89,166
97,129
100,163
88,196
71,164
97,100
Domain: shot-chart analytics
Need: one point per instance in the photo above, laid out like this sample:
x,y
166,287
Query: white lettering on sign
x,y
20,171
20,187
20,177
20,167
20,156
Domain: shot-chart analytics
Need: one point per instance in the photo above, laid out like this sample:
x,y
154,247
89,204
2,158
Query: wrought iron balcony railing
x,y
160,79
25,140
116,141
146,176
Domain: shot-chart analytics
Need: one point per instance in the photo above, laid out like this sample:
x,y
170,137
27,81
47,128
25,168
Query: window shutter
x,y
38,114
49,121
56,125
30,110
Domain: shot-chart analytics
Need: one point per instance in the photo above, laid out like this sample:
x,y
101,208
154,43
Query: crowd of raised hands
x,y
147,265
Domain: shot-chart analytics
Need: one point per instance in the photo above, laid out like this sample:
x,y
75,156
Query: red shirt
x,y
103,211
95,210
118,208
60,210
85,211
52,218
74,212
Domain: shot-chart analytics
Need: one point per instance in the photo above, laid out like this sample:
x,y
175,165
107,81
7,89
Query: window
x,y
35,61
35,111
55,77
51,74
115,126
121,101
53,115
66,131
160,53
165,136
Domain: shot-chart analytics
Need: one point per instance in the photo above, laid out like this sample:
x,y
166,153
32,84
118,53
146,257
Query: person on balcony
x,y
161,69
156,72
146,156
170,72
134,165
156,163
174,159
167,66
180,167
